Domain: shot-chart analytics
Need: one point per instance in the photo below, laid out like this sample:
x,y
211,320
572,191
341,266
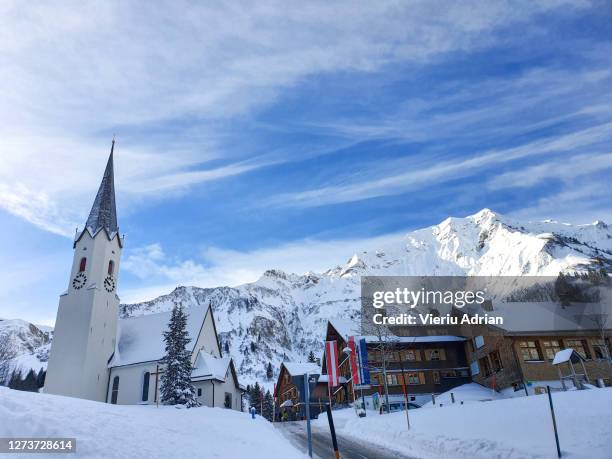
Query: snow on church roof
x,y
140,338
210,367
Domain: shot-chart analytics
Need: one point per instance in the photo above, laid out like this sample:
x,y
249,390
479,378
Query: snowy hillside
x,y
282,316
113,431
29,344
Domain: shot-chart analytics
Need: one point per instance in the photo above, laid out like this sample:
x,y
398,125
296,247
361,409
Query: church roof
x,y
103,213
140,339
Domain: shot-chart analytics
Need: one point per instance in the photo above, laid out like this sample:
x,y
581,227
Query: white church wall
x,y
131,378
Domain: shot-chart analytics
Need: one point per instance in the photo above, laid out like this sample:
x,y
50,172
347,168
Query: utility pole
x,y
307,404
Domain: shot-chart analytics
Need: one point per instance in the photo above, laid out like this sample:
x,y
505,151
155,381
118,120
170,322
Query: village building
x,y
96,356
519,355
287,393
426,365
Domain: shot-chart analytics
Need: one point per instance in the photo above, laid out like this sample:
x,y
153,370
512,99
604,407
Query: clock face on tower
x,y
109,283
79,281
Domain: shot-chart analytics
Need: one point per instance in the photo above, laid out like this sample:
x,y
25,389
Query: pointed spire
x,y
103,213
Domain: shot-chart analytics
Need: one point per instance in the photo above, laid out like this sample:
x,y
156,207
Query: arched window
x,y
115,391
145,386
82,264
111,267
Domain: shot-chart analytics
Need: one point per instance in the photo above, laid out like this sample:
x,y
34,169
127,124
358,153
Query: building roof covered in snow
x,y
552,316
296,369
140,339
210,367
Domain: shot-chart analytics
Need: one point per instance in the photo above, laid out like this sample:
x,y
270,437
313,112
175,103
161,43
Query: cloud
x,y
216,267
74,74
384,181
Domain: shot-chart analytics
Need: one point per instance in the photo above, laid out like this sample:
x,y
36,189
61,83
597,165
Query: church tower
x,y
86,323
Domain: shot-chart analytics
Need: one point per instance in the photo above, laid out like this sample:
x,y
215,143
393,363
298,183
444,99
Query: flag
x,y
353,361
364,366
331,356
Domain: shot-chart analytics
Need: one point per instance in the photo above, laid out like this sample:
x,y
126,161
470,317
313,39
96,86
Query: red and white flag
x,y
353,361
331,356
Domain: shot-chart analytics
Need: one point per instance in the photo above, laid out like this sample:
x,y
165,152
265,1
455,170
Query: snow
x,y
113,431
563,356
141,338
210,367
296,369
510,428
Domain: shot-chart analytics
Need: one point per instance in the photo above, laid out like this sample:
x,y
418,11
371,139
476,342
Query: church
x,y
97,356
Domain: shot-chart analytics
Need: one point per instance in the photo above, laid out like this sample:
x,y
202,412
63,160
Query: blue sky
x,y
289,136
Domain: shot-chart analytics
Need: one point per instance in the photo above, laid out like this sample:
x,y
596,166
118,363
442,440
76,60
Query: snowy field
x,y
112,431
505,428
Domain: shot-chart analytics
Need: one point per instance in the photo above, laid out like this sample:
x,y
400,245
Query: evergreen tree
x,y
253,346
269,371
311,357
226,348
40,378
15,381
176,387
255,397
268,406
29,383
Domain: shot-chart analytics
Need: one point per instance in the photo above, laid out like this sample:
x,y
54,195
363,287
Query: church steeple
x,y
103,213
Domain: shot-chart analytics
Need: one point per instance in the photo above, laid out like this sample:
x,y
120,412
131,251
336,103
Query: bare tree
x,y
7,353
600,321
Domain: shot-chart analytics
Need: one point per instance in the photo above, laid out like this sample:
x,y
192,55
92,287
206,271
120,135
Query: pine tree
x,y
269,371
176,387
15,381
311,357
255,398
226,348
40,378
268,406
29,383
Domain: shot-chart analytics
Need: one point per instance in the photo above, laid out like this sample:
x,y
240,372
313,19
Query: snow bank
x,y
113,431
511,428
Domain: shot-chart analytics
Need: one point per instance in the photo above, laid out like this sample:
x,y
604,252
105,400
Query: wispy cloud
x,y
72,75
431,172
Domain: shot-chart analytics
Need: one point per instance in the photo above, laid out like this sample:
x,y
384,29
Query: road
x,y
322,444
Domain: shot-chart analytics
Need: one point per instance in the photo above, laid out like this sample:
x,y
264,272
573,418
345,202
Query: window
x,y
111,267
436,377
435,354
478,341
496,361
394,379
550,348
199,391
485,366
228,400
600,349
82,264
115,391
414,378
474,368
529,350
448,373
578,345
145,386
409,355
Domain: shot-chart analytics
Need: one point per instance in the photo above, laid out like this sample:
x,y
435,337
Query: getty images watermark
x,y
490,301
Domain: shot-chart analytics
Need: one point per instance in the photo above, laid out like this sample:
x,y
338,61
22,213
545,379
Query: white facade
x,y
135,369
86,323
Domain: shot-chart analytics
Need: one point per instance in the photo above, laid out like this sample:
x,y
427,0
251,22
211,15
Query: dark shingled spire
x,y
103,212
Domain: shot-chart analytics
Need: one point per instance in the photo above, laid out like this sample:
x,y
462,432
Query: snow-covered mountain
x,y
28,344
282,316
